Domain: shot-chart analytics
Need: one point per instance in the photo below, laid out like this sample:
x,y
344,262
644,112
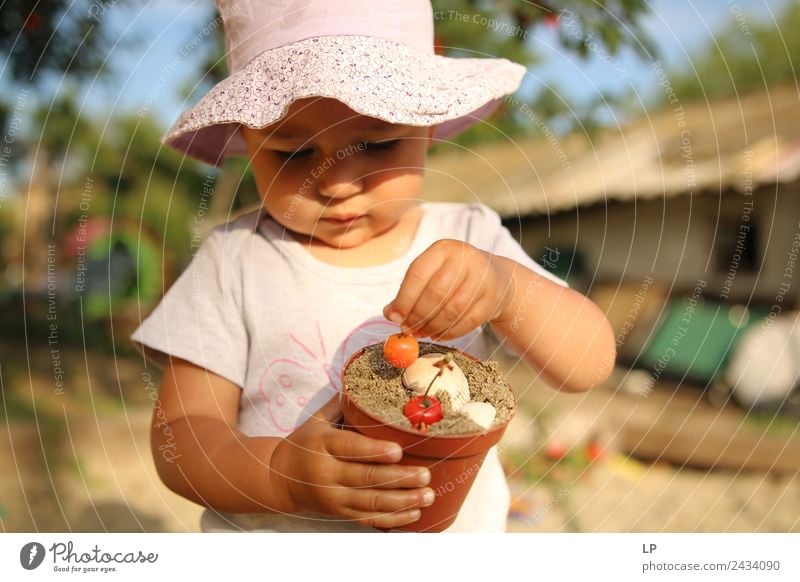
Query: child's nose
x,y
341,180
340,189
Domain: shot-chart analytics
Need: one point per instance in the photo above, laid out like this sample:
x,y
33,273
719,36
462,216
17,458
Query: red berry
x,y
401,350
33,23
551,20
423,411
556,450
594,451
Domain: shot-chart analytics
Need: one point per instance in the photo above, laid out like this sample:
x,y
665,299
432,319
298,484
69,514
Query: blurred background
x,y
651,158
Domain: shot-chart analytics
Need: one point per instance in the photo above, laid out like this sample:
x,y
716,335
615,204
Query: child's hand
x,y
338,472
451,289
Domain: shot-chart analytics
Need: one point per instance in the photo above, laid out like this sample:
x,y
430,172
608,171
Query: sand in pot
x,y
377,386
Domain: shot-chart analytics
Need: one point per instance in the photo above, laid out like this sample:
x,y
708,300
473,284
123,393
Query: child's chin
x,y
342,242
347,242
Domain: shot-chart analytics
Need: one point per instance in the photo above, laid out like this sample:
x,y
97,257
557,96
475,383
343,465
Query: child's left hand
x,y
451,289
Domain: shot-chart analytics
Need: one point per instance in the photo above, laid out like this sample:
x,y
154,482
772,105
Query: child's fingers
x,y
437,298
470,320
439,308
387,520
347,445
416,279
382,501
485,292
384,476
464,311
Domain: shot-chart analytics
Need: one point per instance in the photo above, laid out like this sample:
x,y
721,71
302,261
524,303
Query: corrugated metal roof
x,y
737,143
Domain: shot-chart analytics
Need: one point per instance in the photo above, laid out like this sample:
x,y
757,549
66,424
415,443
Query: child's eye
x,y
380,146
292,155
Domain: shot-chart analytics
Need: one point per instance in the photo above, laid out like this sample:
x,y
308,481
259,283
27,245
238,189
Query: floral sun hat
x,y
377,57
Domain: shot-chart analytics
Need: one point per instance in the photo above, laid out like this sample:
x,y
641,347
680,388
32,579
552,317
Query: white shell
x,y
418,376
481,413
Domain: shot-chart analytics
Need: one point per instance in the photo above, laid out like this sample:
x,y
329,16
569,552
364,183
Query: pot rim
x,y
411,432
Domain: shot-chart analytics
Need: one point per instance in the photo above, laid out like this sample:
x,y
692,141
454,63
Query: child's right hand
x,y
338,472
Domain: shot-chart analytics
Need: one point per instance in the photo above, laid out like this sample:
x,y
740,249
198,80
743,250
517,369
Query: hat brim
x,y
372,76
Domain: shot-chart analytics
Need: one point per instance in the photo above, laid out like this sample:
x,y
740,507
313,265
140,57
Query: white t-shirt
x,y
256,308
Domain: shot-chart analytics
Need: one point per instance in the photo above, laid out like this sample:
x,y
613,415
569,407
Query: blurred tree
x,y
746,55
41,40
79,170
46,165
53,36
119,169
507,29
481,28
71,176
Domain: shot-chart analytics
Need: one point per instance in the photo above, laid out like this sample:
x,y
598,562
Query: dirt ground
x,y
695,468
80,461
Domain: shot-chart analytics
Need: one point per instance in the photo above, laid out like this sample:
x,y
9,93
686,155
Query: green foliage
x,y
15,407
773,422
745,56
62,127
504,29
124,168
145,179
53,36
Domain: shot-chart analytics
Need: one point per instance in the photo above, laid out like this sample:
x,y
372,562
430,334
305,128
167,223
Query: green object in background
x,y
696,338
121,266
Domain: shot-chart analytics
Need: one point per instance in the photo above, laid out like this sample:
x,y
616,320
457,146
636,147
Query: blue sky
x,y
678,27
150,78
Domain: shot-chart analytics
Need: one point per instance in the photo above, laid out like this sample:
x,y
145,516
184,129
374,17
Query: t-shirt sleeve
x,y
200,319
487,232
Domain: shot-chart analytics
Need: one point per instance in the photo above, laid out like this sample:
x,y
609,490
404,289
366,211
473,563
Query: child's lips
x,y
343,219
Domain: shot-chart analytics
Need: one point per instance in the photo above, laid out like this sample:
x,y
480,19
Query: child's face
x,y
339,177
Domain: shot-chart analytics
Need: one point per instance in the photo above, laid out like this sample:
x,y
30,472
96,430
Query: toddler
x,y
336,104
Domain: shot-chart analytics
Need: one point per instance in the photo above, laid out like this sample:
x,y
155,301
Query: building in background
x,y
683,225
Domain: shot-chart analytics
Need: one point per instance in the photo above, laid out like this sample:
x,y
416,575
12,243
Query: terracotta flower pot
x,y
453,460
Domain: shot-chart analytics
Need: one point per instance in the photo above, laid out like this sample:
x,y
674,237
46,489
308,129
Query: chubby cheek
x,y
281,192
271,177
291,211
397,190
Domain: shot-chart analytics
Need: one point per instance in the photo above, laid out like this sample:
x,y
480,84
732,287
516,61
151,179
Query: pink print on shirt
x,y
295,385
